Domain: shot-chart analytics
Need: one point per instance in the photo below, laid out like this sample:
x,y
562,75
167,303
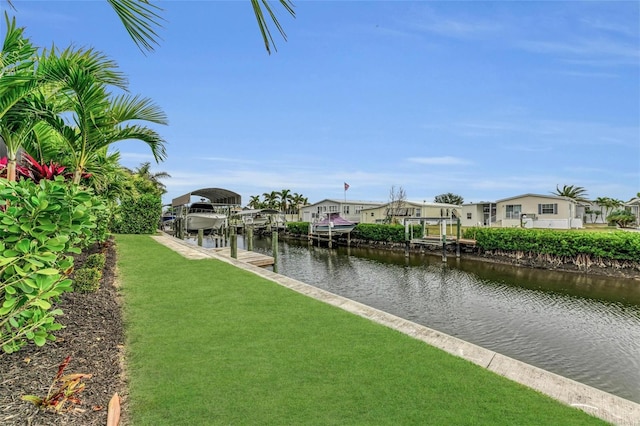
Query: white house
x,y
538,211
401,211
633,206
478,214
348,209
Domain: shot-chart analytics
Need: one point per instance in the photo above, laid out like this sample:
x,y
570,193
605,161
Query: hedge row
x,y
364,231
615,245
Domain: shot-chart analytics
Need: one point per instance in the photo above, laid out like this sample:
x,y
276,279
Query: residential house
x,y
408,210
348,209
478,214
633,206
538,211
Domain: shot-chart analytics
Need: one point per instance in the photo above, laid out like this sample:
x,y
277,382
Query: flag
x,y
346,186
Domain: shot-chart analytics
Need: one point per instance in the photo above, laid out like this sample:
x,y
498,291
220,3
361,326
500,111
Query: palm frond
x,y
126,107
262,21
134,132
140,18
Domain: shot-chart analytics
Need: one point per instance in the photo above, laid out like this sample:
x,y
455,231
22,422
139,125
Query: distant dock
x,y
197,252
437,241
251,257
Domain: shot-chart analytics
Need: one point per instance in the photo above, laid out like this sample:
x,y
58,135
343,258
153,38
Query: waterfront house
x,y
633,206
478,214
538,211
401,212
348,209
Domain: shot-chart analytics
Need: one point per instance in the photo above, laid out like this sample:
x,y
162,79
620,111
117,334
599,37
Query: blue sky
x,y
483,99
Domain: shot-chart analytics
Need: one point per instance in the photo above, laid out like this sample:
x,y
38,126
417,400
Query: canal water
x,y
582,327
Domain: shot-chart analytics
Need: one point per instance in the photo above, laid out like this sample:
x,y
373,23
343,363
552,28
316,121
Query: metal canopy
x,y
214,195
249,212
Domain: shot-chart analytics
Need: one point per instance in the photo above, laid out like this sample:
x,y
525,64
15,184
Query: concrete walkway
x,y
600,404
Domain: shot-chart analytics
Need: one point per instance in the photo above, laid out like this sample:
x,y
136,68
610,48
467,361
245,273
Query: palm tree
x,y
298,200
576,193
109,179
89,118
449,198
608,204
144,172
254,202
284,198
271,199
17,80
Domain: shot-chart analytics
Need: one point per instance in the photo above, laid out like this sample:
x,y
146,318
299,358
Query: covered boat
x,y
204,216
333,224
258,217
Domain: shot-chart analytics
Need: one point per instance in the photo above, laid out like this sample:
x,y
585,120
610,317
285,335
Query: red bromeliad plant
x,y
38,171
3,167
63,389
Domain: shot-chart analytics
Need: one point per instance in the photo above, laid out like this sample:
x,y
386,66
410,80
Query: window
x,y
548,208
333,209
372,214
469,216
358,209
345,209
513,211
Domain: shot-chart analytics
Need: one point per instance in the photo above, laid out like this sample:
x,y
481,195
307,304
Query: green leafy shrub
x,y
86,280
40,226
379,232
621,218
139,215
103,223
96,260
298,228
617,245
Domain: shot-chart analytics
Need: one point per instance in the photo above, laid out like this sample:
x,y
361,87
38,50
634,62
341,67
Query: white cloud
x,y
135,156
614,52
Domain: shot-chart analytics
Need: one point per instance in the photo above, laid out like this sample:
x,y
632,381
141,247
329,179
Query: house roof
x,y
480,203
633,202
418,204
553,197
248,212
341,201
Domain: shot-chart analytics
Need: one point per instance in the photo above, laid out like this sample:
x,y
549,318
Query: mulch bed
x,y
94,339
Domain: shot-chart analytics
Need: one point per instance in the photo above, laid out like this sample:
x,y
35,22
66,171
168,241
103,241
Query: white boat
x,y
204,216
333,225
258,217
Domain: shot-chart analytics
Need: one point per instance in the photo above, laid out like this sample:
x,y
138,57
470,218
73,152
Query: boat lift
x,y
441,240
218,196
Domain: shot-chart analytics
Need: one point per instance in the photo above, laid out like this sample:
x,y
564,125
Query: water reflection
x,y
583,327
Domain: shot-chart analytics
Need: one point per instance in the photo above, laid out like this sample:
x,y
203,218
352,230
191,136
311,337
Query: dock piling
x,y
234,245
444,240
274,249
458,239
249,238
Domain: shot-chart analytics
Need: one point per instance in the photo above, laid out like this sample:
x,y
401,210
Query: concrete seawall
x,y
598,403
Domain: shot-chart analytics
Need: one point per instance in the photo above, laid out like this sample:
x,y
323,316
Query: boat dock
x,y
437,241
246,256
197,252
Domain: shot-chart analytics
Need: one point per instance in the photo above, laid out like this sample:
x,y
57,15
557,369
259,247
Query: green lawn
x,y
211,344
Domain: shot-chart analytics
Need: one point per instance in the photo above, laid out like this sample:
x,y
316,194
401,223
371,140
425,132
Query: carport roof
x,y
215,195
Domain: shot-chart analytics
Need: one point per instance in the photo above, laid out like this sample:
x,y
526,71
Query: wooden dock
x,y
437,241
251,257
